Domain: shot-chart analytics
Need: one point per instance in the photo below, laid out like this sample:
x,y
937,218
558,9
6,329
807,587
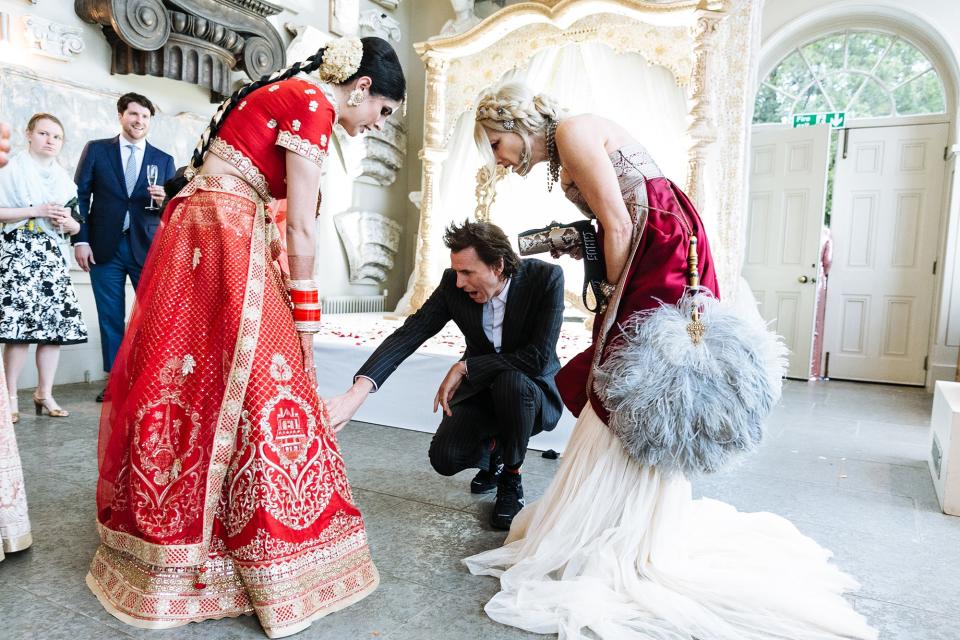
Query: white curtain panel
x,y
732,78
585,78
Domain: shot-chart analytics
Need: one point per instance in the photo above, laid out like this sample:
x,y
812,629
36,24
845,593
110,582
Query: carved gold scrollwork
x,y
433,155
487,191
702,129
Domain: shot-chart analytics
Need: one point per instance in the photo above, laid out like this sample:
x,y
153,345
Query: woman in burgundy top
x,y
221,487
616,549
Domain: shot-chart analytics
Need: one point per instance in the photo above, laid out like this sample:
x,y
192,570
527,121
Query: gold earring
x,y
356,97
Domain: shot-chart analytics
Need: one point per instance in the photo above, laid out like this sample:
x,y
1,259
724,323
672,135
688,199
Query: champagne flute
x,y
152,173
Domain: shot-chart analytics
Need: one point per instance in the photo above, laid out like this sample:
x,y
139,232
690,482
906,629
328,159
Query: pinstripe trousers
x,y
507,411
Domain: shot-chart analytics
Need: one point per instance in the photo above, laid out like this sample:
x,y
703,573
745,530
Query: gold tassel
x,y
695,329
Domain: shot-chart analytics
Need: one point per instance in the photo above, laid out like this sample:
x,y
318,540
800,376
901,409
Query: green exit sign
x,y
835,119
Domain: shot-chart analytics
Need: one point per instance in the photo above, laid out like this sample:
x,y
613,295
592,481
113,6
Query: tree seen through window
x,y
866,74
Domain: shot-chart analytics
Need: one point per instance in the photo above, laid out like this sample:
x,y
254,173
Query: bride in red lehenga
x,y
221,489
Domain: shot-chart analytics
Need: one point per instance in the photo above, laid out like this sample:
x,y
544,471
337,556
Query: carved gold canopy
x,y
675,35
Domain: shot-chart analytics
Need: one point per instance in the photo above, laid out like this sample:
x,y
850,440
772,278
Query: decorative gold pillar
x,y
702,129
433,155
486,191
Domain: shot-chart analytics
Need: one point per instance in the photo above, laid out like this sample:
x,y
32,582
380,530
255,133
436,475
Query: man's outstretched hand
x,y
340,409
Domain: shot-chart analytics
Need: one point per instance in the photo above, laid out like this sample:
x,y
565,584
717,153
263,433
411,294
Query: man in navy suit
x,y
118,229
502,391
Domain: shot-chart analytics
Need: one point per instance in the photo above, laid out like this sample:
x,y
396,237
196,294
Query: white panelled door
x,y
884,224
788,176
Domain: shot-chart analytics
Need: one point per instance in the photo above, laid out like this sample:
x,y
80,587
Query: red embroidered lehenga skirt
x,y
221,491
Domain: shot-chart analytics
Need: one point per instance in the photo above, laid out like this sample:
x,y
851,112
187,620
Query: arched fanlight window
x,y
867,74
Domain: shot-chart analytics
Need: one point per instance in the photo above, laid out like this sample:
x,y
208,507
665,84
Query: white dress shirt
x,y
141,146
493,310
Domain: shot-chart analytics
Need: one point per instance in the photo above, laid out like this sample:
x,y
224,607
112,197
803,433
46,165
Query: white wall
x,y
935,25
419,19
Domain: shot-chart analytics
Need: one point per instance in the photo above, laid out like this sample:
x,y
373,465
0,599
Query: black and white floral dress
x,y
38,303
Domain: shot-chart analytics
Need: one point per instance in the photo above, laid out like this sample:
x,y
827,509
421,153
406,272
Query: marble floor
x,y
845,462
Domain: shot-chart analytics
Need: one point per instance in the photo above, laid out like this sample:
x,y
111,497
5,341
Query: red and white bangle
x,y
306,317
304,296
306,305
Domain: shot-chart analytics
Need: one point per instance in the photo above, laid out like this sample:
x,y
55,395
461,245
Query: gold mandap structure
x,y
709,46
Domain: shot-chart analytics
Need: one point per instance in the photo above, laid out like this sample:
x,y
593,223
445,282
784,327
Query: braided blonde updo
x,y
513,108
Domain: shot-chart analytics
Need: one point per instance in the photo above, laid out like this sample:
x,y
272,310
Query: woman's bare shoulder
x,y
589,127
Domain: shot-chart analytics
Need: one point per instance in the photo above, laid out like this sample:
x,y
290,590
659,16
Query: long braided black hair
x,y
379,62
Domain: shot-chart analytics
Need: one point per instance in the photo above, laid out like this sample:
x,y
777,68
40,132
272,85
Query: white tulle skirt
x,y
616,550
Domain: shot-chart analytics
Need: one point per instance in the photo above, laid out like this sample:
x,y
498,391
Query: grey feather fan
x,y
691,405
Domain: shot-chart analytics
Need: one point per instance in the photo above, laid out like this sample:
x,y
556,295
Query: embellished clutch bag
x,y
556,238
577,239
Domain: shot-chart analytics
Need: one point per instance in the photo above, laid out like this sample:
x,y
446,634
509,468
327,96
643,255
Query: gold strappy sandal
x,y
50,406
14,414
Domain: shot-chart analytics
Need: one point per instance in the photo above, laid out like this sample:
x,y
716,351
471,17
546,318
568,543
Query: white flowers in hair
x,y
341,59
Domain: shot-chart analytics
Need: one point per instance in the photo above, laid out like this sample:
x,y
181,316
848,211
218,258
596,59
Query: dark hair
x,y
143,101
37,117
379,62
488,240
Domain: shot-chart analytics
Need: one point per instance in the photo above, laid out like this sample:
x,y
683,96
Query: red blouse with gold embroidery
x,y
289,115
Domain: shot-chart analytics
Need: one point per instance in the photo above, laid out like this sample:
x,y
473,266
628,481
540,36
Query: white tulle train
x,y
616,550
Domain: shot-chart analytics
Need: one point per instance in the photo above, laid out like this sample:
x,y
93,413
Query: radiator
x,y
352,304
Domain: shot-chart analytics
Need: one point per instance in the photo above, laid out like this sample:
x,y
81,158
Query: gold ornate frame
x,y
675,35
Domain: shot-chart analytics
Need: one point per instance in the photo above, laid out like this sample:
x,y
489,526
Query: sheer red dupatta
x,y
113,438
185,323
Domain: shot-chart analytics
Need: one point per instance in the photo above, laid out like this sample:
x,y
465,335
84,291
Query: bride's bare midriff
x,y
215,165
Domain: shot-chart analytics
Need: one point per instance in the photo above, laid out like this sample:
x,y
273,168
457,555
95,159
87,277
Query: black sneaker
x,y
100,395
486,479
509,501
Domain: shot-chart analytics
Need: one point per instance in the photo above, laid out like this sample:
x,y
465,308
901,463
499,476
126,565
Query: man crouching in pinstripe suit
x,y
501,392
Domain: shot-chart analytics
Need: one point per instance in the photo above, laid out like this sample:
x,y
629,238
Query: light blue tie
x,y
130,175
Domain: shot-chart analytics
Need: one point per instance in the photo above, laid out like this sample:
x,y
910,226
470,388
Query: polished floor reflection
x,y
844,461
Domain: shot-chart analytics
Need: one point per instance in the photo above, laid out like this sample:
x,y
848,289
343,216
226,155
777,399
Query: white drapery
x,y
586,78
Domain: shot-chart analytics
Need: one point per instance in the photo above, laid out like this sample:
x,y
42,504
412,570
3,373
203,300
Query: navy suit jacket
x,y
531,328
100,176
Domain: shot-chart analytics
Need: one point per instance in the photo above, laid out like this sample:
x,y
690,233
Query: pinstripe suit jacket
x,y
531,327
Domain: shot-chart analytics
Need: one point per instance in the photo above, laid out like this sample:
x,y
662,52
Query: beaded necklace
x,y
553,170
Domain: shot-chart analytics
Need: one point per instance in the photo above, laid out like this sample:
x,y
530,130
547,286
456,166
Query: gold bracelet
x,y
607,289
